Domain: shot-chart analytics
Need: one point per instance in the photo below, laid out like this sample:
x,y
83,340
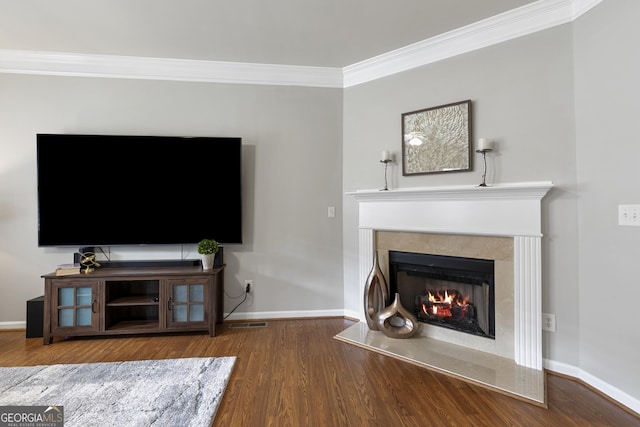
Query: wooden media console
x,y
133,300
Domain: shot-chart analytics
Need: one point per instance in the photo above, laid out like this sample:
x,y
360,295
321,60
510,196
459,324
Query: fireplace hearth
x,y
447,291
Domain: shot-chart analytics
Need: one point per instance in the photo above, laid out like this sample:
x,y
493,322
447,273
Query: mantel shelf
x,y
520,190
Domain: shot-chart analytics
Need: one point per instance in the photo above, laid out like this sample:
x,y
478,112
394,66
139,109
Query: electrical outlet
x,y
629,215
248,286
548,322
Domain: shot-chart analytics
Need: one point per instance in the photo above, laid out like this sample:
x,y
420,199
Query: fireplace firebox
x,y
447,291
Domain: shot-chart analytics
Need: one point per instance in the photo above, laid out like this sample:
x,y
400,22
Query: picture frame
x,y
437,139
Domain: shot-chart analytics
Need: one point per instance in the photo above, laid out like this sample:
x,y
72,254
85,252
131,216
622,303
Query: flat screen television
x,y
115,190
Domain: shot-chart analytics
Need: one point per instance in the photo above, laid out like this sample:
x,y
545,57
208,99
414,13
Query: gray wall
x,y
292,167
522,96
570,121
608,151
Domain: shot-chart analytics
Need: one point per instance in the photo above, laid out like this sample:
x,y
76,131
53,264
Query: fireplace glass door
x,y
451,292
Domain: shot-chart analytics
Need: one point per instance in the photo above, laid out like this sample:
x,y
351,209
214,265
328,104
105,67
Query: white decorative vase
x,y
207,261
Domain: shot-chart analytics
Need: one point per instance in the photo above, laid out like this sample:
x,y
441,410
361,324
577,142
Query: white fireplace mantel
x,y
509,210
499,210
534,190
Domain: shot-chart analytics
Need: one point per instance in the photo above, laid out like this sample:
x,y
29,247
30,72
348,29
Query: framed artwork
x,y
437,139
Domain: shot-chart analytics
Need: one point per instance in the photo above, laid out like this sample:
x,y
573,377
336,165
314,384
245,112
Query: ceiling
x,y
325,33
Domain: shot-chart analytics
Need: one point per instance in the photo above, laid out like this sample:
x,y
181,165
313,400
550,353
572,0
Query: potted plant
x,y
207,248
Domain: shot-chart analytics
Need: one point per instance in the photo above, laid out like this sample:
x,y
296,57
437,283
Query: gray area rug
x,y
172,392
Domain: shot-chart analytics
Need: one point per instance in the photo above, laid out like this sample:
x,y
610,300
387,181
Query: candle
x,y
386,156
485,144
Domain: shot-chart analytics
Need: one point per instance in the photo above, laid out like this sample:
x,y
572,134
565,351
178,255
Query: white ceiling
x,y
326,33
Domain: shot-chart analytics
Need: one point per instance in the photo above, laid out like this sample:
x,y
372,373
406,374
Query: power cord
x,y
246,292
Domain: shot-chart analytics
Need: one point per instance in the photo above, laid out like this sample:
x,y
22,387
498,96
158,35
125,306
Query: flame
x,y
448,299
440,304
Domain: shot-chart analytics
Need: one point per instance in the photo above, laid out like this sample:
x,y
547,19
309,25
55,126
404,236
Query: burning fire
x,y
440,305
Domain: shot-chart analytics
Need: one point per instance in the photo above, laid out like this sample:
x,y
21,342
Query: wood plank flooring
x,y
294,373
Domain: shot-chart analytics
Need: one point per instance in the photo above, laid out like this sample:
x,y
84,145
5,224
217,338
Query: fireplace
x,y
488,258
501,224
446,291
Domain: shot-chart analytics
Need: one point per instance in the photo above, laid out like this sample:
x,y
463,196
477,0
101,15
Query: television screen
x,y
109,190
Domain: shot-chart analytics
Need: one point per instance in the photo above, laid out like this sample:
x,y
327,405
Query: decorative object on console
x,y
376,294
88,262
484,146
68,269
386,159
395,321
207,248
437,139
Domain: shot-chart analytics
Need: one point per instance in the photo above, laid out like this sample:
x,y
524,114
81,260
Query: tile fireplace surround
x,y
501,222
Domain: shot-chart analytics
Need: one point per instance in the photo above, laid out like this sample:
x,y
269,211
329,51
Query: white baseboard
x,y
353,315
261,315
13,325
605,388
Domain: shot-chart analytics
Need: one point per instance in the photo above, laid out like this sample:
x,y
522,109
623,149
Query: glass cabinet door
x,y
75,306
187,303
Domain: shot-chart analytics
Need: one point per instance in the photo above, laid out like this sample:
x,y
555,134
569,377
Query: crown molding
x,y
528,19
582,6
130,67
519,22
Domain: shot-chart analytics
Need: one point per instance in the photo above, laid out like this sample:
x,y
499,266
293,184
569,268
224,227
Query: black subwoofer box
x,y
35,317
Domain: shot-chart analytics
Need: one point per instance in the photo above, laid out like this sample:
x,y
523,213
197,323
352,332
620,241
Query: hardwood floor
x,y
294,373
